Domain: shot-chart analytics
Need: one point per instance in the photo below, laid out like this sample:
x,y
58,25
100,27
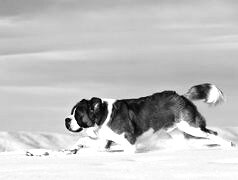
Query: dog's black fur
x,y
158,111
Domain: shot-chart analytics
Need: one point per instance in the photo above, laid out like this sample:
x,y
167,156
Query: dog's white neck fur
x,y
110,103
93,131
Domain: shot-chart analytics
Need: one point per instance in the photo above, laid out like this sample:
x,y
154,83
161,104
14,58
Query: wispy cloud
x,y
53,25
70,55
230,38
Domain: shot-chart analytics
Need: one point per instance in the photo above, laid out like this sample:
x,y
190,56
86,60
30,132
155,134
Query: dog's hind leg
x,y
204,129
197,132
201,123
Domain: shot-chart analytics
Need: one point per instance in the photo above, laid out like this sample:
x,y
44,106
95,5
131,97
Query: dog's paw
x,y
69,151
72,150
38,152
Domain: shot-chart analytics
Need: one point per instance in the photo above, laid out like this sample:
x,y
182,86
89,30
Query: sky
x,y
53,53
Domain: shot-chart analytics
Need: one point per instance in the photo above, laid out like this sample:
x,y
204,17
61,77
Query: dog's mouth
x,y
71,126
72,130
79,130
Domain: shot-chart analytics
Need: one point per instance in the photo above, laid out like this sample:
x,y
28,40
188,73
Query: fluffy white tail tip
x,y
215,96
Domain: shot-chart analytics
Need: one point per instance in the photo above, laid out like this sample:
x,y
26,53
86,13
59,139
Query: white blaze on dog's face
x,y
72,124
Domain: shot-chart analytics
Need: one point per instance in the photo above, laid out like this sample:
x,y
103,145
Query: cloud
x,y
27,8
230,38
22,7
31,26
12,7
79,55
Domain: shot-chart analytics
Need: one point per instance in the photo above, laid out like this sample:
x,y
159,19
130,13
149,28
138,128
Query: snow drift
x,y
14,141
166,163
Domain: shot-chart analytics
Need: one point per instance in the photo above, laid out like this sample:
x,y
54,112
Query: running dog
x,y
124,121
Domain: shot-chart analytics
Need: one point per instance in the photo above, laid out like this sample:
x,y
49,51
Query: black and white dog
x,y
125,121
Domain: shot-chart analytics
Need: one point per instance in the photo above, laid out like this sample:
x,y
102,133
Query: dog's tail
x,y
207,92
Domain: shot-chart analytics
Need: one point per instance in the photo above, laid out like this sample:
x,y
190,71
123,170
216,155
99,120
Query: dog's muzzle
x,y
72,125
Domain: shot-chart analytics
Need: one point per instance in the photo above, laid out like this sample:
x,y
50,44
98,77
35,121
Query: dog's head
x,y
86,114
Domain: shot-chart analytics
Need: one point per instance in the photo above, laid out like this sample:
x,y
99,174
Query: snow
x,y
13,141
191,160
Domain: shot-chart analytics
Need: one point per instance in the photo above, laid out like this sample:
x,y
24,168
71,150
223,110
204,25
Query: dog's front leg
x,y
122,139
83,142
102,145
89,143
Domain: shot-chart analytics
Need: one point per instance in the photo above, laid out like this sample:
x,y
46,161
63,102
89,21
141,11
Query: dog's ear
x,y
82,102
95,104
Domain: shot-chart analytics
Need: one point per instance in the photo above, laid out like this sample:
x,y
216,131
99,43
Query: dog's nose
x,y
67,120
